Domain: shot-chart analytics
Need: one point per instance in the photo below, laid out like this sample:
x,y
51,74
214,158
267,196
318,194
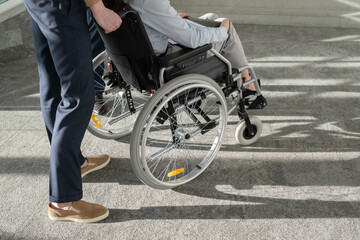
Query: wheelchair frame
x,y
197,115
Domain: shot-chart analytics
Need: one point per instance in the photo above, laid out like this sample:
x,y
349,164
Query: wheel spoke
x,y
116,120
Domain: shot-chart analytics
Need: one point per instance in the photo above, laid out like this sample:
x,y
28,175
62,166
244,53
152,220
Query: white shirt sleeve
x,y
162,17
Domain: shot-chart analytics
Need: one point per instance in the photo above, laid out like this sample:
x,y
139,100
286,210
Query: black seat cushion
x,y
176,54
212,67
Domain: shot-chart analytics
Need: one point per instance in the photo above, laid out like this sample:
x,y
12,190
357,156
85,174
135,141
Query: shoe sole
x,y
96,168
90,220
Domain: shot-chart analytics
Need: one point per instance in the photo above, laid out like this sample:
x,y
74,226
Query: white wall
x,y
10,8
318,13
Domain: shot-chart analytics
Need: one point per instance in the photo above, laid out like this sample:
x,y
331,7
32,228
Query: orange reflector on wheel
x,y
96,120
175,172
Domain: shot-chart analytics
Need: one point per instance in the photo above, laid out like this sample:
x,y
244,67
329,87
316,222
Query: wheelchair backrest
x,y
131,39
130,49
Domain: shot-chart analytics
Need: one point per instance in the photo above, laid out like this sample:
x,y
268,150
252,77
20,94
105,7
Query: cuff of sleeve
x,y
89,3
223,33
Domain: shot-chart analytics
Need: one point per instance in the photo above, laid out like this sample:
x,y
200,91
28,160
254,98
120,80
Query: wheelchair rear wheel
x,y
113,119
176,137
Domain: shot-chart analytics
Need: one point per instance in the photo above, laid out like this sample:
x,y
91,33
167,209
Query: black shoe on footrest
x,y
259,103
248,92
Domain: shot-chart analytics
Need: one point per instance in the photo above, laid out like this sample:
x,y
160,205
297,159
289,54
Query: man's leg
x,y
65,30
62,46
50,88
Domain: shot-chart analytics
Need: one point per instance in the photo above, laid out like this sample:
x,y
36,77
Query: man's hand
x,y
226,24
184,15
106,18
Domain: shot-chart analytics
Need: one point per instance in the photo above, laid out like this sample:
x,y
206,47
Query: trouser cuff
x,y
72,198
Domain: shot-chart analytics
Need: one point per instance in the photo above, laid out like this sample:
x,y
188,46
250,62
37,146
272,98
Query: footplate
x,y
259,103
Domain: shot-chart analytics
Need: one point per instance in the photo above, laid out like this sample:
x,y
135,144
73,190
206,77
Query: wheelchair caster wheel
x,y
242,133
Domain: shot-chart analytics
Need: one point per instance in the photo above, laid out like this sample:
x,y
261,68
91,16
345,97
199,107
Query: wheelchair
x,y
175,106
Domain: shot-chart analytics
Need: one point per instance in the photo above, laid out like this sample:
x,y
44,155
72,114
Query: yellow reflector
x,y
96,120
175,172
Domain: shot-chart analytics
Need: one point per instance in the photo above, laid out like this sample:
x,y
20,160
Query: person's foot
x,y
79,211
99,106
251,87
248,92
94,164
246,77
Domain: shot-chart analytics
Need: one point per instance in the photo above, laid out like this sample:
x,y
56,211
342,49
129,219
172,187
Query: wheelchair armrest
x,y
176,54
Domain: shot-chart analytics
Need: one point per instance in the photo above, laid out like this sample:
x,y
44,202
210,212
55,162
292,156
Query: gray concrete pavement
x,y
301,180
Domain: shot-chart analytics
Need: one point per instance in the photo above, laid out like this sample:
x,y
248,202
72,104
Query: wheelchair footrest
x,y
259,103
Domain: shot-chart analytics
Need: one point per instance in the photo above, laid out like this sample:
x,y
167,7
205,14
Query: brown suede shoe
x,y
95,163
80,211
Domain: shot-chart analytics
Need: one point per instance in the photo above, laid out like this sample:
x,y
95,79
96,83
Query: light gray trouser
x,y
231,48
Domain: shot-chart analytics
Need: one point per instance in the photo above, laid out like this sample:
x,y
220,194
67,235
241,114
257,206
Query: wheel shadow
x,y
263,189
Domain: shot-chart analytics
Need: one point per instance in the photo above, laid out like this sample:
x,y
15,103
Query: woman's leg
x,y
233,50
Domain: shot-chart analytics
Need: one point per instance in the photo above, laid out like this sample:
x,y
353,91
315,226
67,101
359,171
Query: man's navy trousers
x,y
63,50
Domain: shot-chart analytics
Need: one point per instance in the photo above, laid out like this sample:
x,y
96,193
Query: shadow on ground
x,y
237,179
